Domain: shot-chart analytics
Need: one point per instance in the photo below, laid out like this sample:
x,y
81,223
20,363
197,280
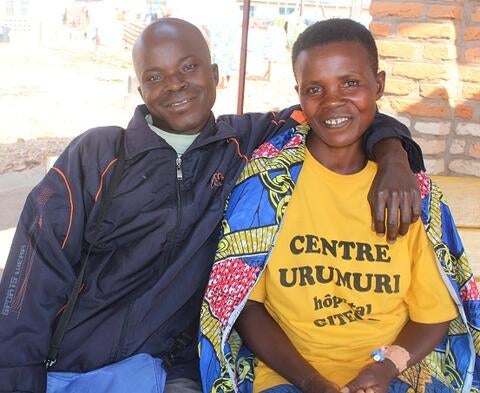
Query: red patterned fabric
x,y
469,291
423,184
230,281
267,150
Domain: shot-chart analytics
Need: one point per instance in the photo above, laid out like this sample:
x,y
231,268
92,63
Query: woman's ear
x,y
380,79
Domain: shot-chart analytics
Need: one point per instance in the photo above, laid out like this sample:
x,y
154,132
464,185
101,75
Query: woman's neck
x,y
345,160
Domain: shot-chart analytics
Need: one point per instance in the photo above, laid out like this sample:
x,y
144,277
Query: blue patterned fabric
x,y
252,220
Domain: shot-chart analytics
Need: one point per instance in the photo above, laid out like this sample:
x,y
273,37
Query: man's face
x,y
177,80
338,89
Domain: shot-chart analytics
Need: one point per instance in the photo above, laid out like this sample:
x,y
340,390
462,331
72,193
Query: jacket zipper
x,y
178,163
179,171
179,196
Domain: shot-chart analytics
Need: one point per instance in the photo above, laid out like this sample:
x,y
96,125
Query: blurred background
x,y
65,66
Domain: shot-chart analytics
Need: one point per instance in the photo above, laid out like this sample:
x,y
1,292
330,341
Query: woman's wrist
x,y
314,383
396,354
391,369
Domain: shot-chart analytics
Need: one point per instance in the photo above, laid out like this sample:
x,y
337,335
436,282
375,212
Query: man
x,y
153,253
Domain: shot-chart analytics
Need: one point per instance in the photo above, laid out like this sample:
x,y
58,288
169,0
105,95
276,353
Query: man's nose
x,y
175,83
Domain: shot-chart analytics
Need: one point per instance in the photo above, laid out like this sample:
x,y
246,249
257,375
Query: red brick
x,y
433,90
472,55
470,74
476,15
474,150
423,109
445,11
424,71
401,10
380,29
439,52
431,145
471,92
400,87
399,50
427,30
471,34
464,111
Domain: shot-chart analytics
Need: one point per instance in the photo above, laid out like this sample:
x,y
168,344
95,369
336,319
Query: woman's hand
x,y
373,378
318,384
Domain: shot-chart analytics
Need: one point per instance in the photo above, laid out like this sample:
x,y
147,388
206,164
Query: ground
x,y
53,90
51,93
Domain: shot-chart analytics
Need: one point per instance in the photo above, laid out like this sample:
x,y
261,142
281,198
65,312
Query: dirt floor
x,y
51,92
27,154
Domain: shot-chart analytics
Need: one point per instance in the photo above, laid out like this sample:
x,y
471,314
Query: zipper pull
x,y
179,169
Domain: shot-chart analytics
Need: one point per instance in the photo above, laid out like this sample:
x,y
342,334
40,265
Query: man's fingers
x,y
392,217
378,212
405,214
416,205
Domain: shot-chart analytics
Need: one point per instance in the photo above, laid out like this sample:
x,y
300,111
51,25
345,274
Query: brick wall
x,y
430,51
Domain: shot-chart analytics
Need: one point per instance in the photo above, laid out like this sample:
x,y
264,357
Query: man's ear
x,y
215,73
140,91
380,79
296,88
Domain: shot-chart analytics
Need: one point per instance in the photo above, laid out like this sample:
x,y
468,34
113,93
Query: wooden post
x,y
243,56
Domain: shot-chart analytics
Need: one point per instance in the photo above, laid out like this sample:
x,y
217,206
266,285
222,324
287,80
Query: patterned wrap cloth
x,y
249,232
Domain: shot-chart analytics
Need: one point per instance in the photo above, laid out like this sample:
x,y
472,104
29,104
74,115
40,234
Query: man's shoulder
x,y
252,116
97,139
106,137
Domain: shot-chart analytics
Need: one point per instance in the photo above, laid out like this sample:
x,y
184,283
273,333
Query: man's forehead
x,y
181,37
171,29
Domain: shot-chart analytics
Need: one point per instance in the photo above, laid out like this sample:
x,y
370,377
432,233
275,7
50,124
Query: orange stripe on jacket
x,y
102,176
70,198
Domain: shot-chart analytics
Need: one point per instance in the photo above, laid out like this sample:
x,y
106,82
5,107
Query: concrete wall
x,y
430,51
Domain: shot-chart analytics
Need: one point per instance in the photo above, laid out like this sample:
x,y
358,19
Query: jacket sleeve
x,y
40,270
260,127
385,126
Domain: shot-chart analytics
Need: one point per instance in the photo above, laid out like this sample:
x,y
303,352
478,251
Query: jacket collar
x,y
140,138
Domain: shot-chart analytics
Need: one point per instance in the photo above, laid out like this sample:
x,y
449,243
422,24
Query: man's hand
x,y
373,378
394,189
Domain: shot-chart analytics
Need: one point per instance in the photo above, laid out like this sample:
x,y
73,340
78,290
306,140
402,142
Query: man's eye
x,y
351,83
154,78
189,67
314,90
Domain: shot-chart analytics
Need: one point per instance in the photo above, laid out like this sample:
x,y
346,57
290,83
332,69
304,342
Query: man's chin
x,y
185,129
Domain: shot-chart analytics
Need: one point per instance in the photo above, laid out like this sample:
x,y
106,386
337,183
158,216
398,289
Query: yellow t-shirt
x,y
337,289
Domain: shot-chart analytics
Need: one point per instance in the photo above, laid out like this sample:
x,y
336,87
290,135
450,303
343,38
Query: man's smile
x,y
179,103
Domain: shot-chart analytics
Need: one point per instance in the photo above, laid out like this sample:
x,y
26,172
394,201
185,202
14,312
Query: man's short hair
x,y
336,30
